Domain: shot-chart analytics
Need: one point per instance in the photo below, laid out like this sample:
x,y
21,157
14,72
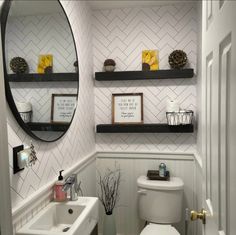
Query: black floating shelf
x,y
42,126
49,77
144,75
144,128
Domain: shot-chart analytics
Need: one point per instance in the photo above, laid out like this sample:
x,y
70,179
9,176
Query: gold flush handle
x,y
199,215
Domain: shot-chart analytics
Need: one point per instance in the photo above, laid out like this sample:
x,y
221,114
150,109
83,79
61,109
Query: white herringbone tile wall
x,y
31,36
39,94
122,34
79,140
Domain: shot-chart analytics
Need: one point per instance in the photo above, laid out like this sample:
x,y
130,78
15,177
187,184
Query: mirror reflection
x,y
41,68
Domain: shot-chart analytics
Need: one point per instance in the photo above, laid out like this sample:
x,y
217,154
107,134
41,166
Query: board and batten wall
x,y
79,142
122,34
133,165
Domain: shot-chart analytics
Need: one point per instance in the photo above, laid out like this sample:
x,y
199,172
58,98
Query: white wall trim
x,y
198,159
45,192
190,156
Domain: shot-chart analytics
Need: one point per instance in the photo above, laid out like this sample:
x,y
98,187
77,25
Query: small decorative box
x,y
154,175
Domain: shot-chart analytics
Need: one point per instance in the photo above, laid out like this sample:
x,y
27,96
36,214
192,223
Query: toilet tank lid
x,y
174,183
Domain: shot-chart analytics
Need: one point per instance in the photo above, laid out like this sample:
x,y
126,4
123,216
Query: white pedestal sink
x,y
67,218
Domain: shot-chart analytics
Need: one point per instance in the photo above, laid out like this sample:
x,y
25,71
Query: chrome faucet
x,y
71,184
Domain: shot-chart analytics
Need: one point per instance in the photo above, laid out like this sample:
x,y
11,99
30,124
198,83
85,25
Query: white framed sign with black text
x,y
127,108
63,107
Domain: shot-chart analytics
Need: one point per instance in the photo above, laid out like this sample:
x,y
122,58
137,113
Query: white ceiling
x,y
34,7
110,4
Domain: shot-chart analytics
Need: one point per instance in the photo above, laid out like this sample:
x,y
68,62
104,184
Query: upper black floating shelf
x,y
144,75
43,126
49,77
144,128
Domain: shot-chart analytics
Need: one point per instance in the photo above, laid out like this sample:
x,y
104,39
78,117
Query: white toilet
x,y
160,204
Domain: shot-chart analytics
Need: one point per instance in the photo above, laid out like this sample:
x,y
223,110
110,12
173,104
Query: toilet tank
x,y
160,201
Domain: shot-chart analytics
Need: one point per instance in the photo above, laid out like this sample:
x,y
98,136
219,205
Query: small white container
x,y
25,111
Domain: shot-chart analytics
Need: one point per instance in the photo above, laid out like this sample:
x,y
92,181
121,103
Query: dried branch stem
x,y
109,189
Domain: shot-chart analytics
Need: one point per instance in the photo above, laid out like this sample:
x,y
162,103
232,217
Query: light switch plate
x,y
16,168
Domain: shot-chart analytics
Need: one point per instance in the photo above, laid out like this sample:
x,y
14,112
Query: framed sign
x,y
63,107
127,108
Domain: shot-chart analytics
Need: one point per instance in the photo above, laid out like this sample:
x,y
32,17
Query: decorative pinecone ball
x,y
109,65
178,59
18,65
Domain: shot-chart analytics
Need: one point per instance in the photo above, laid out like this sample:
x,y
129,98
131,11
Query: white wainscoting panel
x,y
79,141
87,176
132,166
122,34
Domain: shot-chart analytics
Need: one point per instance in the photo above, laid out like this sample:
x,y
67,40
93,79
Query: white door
x,y
219,115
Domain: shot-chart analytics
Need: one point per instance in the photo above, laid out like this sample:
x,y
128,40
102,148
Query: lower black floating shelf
x,y
144,128
43,126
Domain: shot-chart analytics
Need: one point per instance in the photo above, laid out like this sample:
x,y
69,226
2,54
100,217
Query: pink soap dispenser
x,y
59,194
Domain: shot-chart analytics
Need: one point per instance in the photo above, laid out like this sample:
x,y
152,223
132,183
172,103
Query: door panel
x,y
209,13
219,115
225,63
208,118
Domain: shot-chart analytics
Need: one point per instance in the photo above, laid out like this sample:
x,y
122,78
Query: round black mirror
x,y
40,67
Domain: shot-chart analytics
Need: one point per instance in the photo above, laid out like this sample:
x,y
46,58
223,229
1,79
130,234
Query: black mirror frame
x,y
4,15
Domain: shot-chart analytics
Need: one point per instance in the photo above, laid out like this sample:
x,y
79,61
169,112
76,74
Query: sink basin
x,y
68,218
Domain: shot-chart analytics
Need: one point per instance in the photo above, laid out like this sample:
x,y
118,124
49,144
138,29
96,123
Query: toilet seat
x,y
159,229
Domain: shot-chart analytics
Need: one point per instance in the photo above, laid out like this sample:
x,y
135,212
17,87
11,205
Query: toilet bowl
x,y
160,205
157,229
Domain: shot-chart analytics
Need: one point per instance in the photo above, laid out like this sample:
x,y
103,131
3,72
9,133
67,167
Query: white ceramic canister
x,y
25,110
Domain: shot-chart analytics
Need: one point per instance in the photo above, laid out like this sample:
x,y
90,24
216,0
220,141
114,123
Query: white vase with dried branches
x,y
109,195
